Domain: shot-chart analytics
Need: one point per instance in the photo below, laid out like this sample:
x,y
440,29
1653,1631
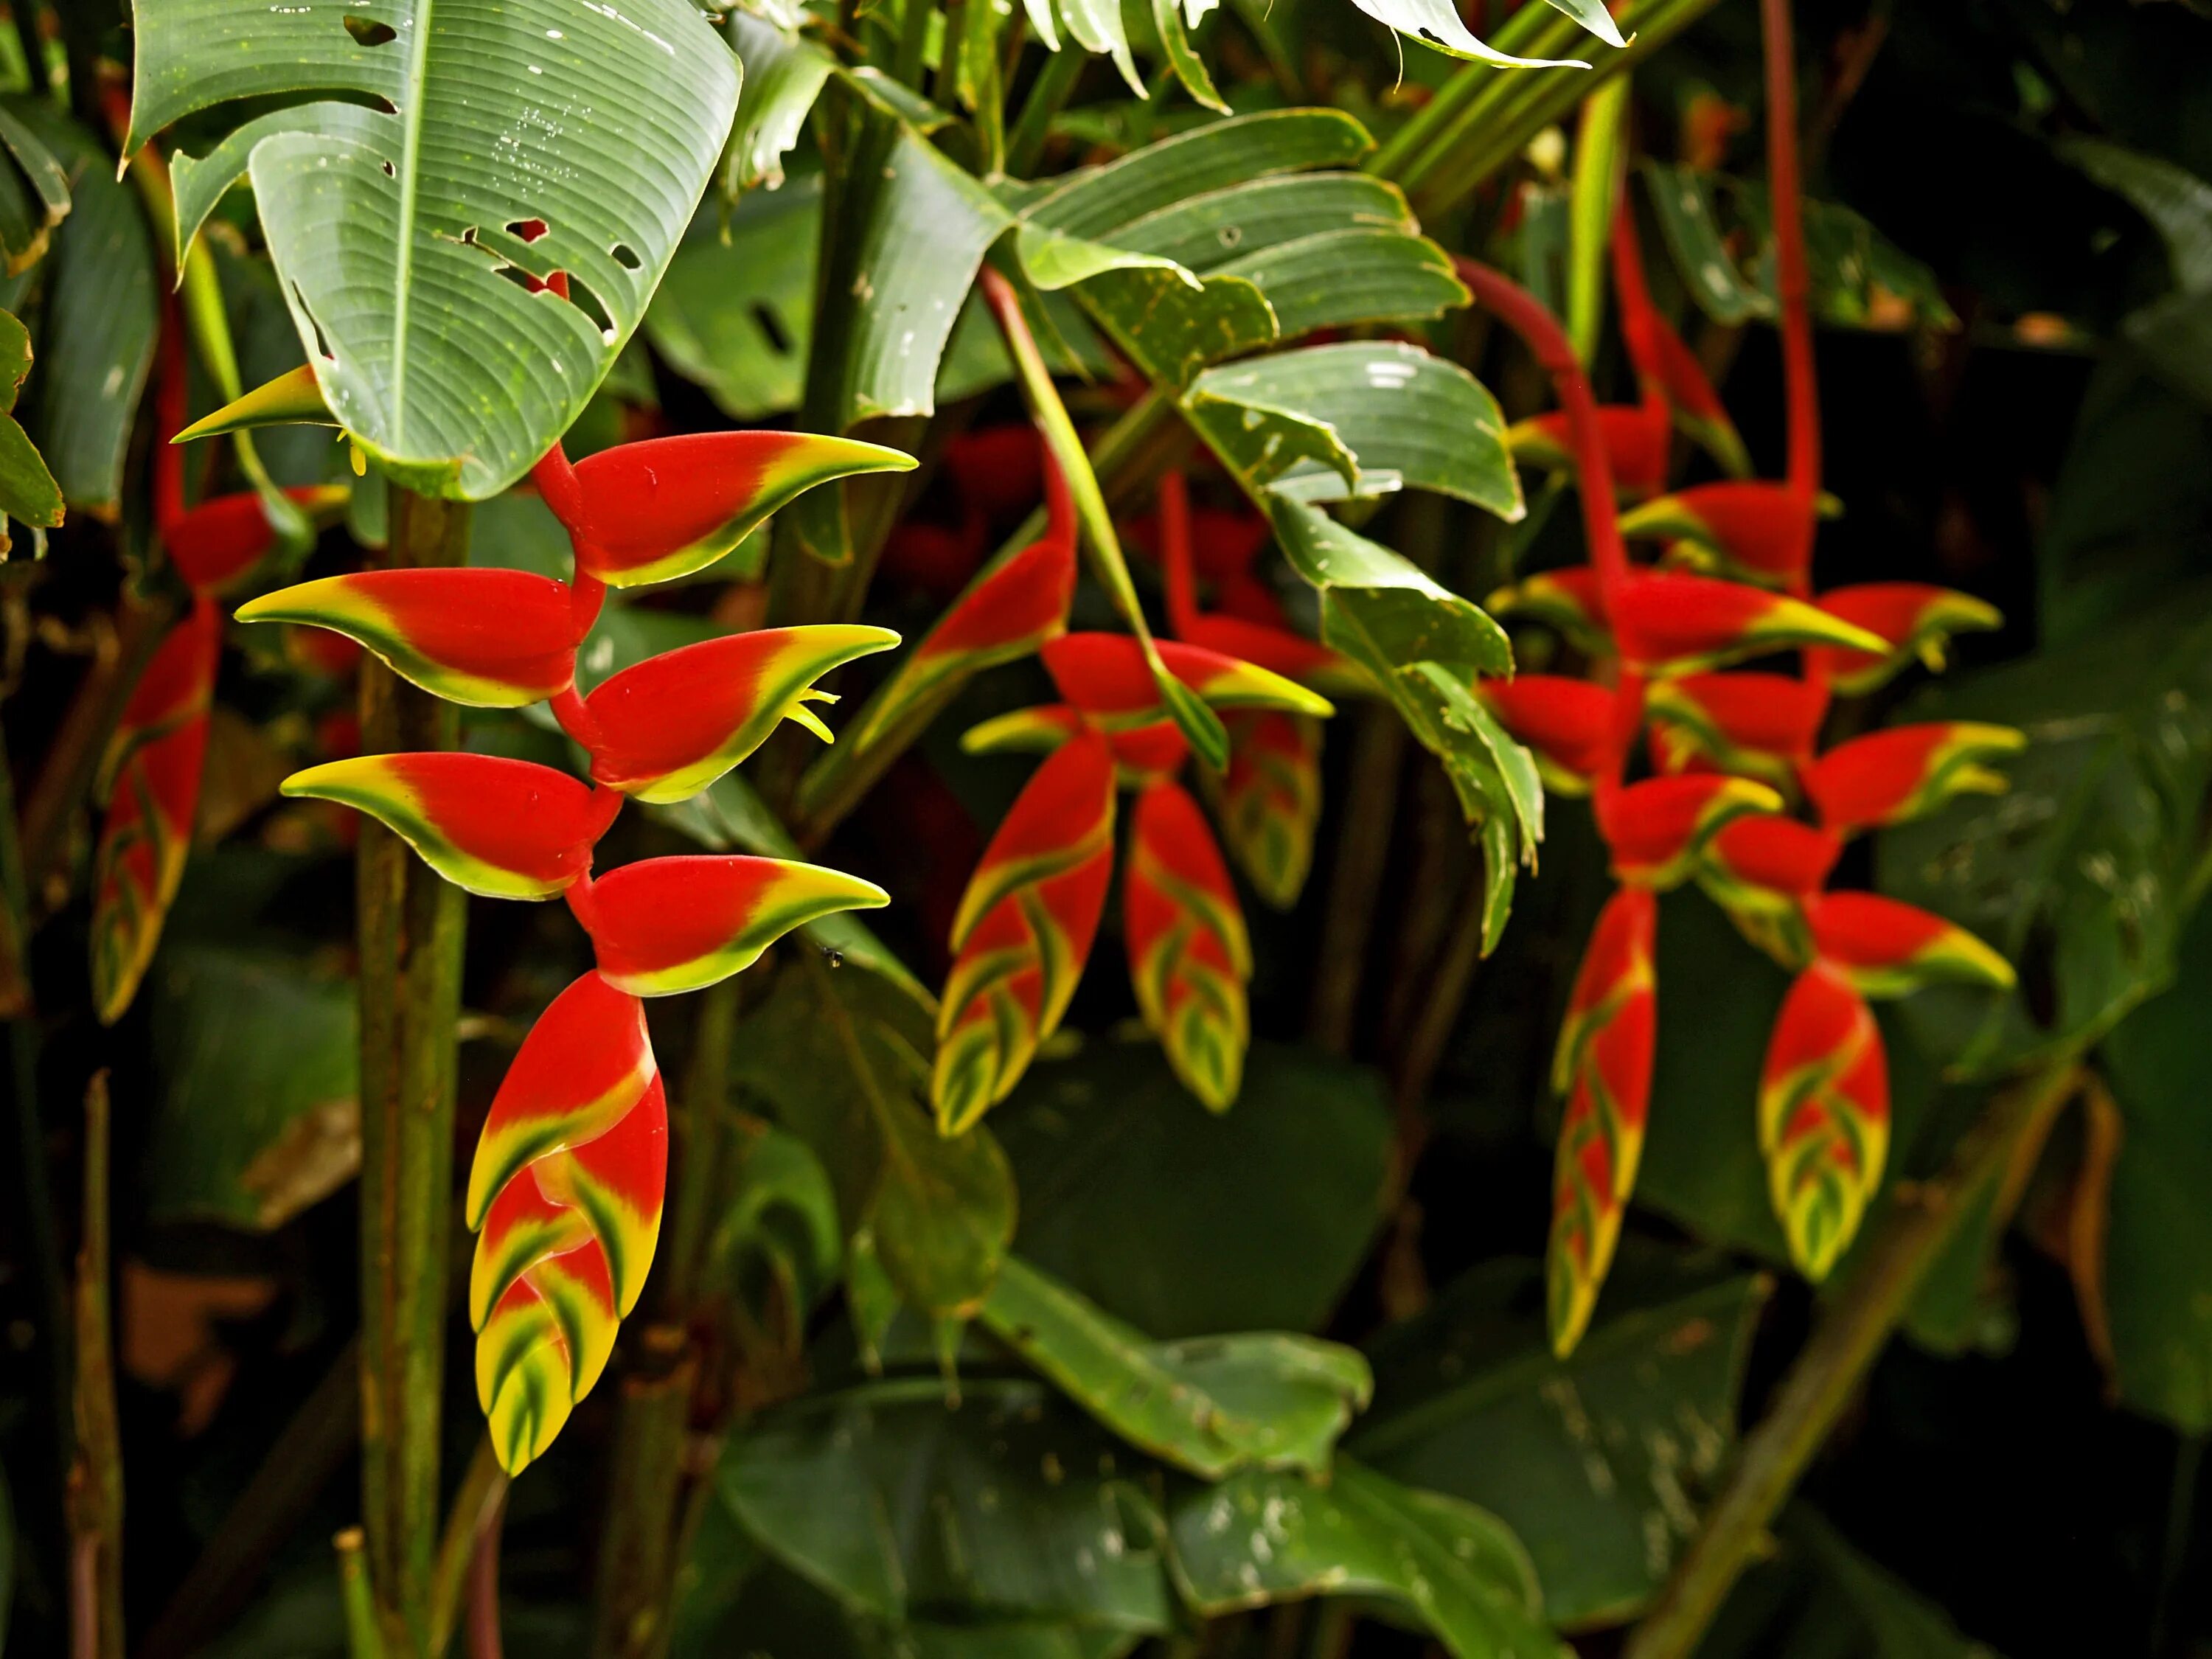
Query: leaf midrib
x,y
410,153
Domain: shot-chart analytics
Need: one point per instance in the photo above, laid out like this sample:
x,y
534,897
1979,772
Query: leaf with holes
x,y
413,229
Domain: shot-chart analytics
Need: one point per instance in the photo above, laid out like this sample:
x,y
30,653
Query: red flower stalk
x,y
566,1194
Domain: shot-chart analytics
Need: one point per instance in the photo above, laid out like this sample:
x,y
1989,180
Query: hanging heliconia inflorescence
x,y
1031,910
1740,800
151,774
1268,800
565,1194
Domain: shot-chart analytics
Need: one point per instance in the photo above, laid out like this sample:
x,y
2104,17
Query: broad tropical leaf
x,y
487,142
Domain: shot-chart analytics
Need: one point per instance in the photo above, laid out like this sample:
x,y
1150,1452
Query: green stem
x,y
637,1564
2180,1505
1197,722
364,1640
1589,210
833,785
696,1140
95,1484
1835,1360
411,925
1431,123
1055,81
475,1509
1363,851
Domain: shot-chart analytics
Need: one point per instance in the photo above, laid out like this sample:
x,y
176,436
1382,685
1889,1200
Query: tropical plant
x,y
1138,442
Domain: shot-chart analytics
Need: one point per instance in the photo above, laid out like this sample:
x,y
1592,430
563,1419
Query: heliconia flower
x,y
1603,1067
176,686
1037,731
1886,948
1277,650
663,926
1566,600
1105,676
1750,527
1760,870
1656,829
1823,1115
485,637
140,858
653,511
1005,614
1758,726
1673,623
506,828
1568,723
565,1198
1637,439
220,541
1269,801
1887,777
1189,957
1913,619
667,728
1024,929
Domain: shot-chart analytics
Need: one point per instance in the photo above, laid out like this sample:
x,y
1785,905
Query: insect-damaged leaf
x,y
493,153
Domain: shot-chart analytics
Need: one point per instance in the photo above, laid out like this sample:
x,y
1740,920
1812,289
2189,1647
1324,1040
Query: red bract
x,y
1568,723
220,541
1269,801
1746,527
1569,601
1105,676
1911,618
1760,726
1667,621
1887,949
653,511
1603,1067
491,639
1909,770
1189,959
1656,829
566,1190
1823,1115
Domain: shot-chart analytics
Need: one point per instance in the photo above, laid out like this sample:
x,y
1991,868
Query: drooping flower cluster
x,y
566,1192
151,772
1031,910
1736,795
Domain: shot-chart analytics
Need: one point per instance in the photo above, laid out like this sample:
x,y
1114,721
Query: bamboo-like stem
x,y
476,1505
1827,1372
696,1139
364,1640
411,924
95,1482
637,1561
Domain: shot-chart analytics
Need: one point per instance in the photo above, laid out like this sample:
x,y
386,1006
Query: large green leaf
x,y
1006,1509
1107,1149
2078,872
2157,1243
1258,1538
1209,1405
508,137
101,313
2173,334
27,489
1404,418
34,195
784,74
736,312
259,1113
1597,1461
1011,1510
843,1061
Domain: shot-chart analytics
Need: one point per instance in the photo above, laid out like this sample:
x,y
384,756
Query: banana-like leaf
x,y
496,142
784,74
35,196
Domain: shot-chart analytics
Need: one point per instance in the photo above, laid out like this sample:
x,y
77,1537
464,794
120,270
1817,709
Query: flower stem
x,y
95,1481
1835,1360
411,925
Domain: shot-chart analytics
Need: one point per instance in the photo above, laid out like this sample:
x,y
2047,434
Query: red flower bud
x,y
1656,829
1823,1117
1911,619
1906,771
1887,949
1672,623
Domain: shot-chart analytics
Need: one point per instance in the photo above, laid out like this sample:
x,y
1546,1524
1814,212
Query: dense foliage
x,y
1522,696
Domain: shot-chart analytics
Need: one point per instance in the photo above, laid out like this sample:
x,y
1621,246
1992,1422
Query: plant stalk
x,y
411,925
95,1483
364,1640
477,1506
1835,1360
637,1561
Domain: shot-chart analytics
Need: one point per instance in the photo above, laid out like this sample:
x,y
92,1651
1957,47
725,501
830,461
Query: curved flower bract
x,y
1189,957
681,924
1823,1115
